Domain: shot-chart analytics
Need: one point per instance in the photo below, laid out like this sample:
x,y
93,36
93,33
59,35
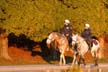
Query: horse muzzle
x,y
48,43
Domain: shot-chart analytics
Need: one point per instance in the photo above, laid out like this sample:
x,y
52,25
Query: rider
x,y
87,35
67,31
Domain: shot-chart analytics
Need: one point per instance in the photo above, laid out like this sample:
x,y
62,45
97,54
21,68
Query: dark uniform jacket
x,y
87,35
67,31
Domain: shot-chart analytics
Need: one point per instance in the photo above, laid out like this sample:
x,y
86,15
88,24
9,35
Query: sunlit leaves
x,y
37,18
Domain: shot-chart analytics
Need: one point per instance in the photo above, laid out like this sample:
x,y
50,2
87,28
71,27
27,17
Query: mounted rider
x,y
87,35
67,31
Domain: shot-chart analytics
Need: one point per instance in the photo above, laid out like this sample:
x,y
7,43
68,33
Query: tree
x,y
4,45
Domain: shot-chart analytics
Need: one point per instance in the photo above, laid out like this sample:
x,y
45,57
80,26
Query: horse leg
x,y
79,62
64,61
96,61
95,58
60,63
62,58
74,58
81,59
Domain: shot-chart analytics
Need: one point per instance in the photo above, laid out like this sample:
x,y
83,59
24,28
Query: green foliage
x,y
37,18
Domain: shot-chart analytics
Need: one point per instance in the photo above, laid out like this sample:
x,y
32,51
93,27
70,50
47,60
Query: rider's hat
x,y
87,25
66,21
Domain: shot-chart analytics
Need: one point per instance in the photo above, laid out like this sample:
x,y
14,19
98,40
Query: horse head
x,y
74,38
51,38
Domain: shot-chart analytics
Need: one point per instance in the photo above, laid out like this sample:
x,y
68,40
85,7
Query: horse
x,y
61,43
82,48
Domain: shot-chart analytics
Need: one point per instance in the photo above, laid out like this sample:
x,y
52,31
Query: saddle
x,y
94,41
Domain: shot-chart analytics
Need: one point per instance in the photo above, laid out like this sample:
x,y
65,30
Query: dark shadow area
x,y
21,41
44,49
49,54
12,39
69,59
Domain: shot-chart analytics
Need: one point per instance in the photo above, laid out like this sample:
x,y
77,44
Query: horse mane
x,y
80,37
58,33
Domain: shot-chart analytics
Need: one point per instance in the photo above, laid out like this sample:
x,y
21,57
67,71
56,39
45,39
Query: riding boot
x,y
70,45
89,46
70,42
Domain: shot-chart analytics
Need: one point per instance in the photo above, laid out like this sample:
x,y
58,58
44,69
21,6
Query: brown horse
x,y
62,44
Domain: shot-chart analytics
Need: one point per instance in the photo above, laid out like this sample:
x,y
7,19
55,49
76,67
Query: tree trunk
x,y
4,46
4,49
